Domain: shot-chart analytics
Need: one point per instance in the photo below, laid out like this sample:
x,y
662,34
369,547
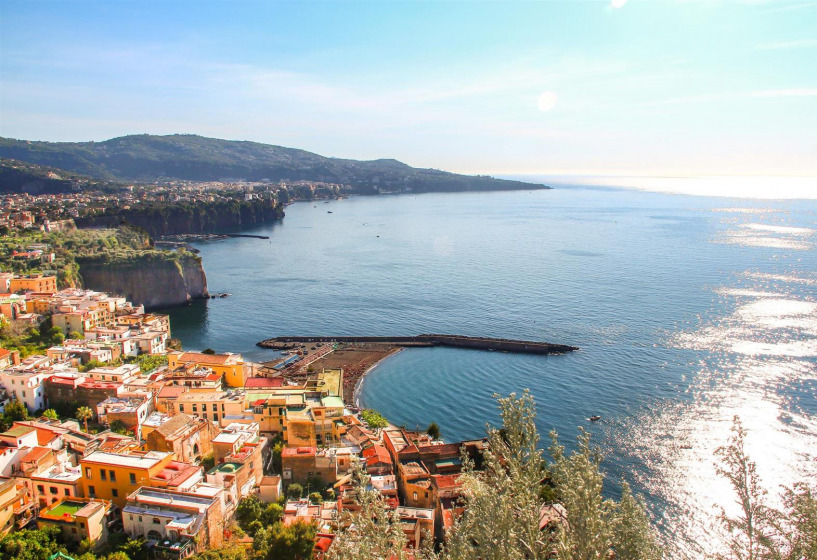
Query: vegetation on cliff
x,y
195,158
25,177
191,217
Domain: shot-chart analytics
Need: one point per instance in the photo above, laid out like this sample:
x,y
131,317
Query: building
x,y
176,524
187,438
230,366
25,381
129,411
79,519
16,507
113,476
213,406
33,283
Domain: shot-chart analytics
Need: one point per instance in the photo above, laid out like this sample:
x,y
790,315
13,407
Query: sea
x,y
689,310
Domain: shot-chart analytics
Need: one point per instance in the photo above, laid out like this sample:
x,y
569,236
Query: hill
x,y
24,177
195,158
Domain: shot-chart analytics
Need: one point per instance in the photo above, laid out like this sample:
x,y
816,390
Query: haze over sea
x,y
688,310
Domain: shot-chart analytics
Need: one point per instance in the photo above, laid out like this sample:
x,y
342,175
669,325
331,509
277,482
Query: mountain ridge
x,y
190,157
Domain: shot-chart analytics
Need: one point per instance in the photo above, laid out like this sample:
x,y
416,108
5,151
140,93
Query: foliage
x,y
375,530
633,537
208,351
119,427
149,362
17,335
84,414
51,414
433,431
760,532
229,552
277,448
252,514
374,419
316,498
208,461
295,491
31,544
14,412
285,542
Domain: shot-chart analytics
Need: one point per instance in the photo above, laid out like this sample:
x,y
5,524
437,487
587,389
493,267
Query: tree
x,y
634,538
433,431
51,414
31,544
295,491
149,362
285,542
119,427
374,419
209,351
83,414
751,530
15,412
759,531
316,498
374,531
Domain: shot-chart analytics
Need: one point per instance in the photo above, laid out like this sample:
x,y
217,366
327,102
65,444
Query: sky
x,y
627,87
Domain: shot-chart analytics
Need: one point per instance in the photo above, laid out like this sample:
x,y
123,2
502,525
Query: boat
x,y
595,418
328,211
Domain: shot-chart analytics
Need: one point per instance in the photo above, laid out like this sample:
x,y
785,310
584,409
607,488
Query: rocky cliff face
x,y
149,280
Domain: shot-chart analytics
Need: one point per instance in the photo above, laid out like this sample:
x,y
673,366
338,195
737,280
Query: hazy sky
x,y
641,87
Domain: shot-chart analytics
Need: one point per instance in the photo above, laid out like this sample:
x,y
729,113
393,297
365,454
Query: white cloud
x,y
799,44
617,3
547,101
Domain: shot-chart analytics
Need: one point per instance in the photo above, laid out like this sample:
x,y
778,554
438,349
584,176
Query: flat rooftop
x,y
141,461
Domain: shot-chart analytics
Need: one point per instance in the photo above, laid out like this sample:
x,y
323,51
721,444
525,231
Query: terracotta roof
x,y
4,353
45,436
174,424
299,451
36,454
379,452
171,391
199,358
264,382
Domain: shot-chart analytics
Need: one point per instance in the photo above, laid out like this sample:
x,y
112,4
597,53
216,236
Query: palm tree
x,y
83,413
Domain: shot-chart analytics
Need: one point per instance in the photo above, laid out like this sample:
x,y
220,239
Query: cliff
x,y
154,279
183,218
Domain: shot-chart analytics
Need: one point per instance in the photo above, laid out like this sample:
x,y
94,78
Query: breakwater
x,y
425,340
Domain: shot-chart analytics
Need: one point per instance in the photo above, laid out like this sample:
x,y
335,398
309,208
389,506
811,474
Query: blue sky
x,y
630,87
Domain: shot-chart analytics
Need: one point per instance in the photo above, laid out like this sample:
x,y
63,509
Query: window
x,y
82,525
140,519
67,492
415,495
41,489
24,393
181,408
114,492
88,473
92,492
102,474
204,407
195,408
132,478
74,530
156,521
112,476
53,490
215,416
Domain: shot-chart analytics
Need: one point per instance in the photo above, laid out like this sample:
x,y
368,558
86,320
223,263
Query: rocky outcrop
x,y
154,279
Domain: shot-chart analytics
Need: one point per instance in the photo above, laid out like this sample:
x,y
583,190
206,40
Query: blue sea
x,y
688,311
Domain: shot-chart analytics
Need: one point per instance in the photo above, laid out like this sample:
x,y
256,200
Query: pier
x,y
426,340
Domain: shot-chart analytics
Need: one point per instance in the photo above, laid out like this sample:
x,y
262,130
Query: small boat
x,y
328,211
595,418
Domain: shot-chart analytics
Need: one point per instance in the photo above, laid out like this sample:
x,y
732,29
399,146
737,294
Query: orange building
x,y
33,283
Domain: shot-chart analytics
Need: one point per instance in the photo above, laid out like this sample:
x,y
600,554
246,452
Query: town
x,y
115,429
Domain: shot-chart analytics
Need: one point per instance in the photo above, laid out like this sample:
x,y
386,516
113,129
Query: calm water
x,y
688,311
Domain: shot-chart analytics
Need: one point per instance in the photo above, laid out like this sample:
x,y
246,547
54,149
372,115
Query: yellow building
x,y
212,406
33,283
78,518
113,476
231,366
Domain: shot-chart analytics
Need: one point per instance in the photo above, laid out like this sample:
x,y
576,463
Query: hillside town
x,y
110,430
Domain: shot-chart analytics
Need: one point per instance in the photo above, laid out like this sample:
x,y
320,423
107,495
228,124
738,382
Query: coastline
x,y
359,381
